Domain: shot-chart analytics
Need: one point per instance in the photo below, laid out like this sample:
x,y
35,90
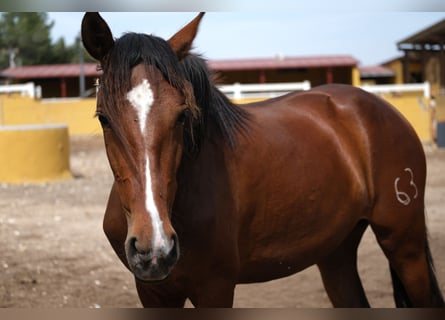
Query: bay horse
x,y
208,194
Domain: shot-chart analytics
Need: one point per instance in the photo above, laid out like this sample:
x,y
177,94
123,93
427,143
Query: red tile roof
x,y
375,72
50,71
73,70
280,62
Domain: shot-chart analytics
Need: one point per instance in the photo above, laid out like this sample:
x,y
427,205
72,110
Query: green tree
x,y
25,40
60,53
25,35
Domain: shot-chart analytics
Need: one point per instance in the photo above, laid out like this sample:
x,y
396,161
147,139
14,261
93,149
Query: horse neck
x,y
201,181
211,157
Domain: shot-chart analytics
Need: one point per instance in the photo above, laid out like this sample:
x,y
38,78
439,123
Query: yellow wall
x,y
34,153
77,114
440,109
355,75
417,111
397,67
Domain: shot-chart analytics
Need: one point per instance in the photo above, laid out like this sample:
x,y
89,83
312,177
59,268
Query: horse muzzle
x,y
152,264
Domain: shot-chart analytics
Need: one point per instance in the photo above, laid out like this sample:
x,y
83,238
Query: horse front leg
x,y
159,295
216,293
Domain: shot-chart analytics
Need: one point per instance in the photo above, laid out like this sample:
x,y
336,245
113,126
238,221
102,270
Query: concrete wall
x,y
34,136
417,111
34,153
78,114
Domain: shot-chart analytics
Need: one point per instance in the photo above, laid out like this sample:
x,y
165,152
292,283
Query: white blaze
x,y
141,98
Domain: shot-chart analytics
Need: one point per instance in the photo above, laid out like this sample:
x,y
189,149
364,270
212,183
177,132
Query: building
x,y
316,69
62,80
56,80
372,75
423,58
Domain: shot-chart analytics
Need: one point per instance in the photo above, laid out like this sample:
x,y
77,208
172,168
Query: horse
x,y
208,194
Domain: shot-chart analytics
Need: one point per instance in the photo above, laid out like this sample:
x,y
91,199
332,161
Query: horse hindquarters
x,y
398,221
396,167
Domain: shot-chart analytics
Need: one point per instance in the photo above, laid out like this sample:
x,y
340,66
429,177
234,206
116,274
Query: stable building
x,y
63,80
56,80
375,75
317,70
423,58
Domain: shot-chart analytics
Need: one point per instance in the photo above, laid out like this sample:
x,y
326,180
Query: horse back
x,y
389,144
368,127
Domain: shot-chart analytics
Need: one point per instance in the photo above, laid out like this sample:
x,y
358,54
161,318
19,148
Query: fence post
x,y
29,87
237,90
427,90
2,119
306,85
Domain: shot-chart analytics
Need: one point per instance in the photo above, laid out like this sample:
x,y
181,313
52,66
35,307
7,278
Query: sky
x,y
370,37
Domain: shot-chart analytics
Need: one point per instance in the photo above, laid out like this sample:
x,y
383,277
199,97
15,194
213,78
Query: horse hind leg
x,y
433,299
414,280
437,298
340,275
404,242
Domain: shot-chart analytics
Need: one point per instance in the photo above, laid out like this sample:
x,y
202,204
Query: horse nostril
x,y
132,243
152,263
138,247
174,251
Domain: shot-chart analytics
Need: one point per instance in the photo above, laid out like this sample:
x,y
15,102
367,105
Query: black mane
x,y
215,109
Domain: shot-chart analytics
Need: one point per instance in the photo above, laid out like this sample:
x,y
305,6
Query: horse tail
x,y
437,298
400,295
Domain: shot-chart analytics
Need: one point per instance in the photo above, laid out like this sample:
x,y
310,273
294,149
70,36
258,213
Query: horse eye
x,y
103,120
183,116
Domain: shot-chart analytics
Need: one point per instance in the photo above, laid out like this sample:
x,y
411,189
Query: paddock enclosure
x,y
77,114
54,253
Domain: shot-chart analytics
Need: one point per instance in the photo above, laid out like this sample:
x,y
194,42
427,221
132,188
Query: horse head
x,y
144,105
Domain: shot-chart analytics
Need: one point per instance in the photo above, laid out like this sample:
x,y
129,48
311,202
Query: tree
x,y
25,40
60,53
27,35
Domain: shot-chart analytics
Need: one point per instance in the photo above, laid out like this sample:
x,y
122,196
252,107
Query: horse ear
x,y
96,35
181,42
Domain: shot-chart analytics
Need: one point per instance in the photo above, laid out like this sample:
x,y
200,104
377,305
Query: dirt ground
x,y
54,253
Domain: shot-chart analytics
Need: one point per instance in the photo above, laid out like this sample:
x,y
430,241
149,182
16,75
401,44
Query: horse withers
x,y
208,194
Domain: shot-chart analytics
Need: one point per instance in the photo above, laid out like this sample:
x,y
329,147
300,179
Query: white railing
x,y
263,90
26,89
395,88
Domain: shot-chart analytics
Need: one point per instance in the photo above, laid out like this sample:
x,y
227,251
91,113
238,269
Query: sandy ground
x,y
54,253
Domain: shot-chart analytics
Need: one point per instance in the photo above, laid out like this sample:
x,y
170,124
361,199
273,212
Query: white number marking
x,y
401,196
